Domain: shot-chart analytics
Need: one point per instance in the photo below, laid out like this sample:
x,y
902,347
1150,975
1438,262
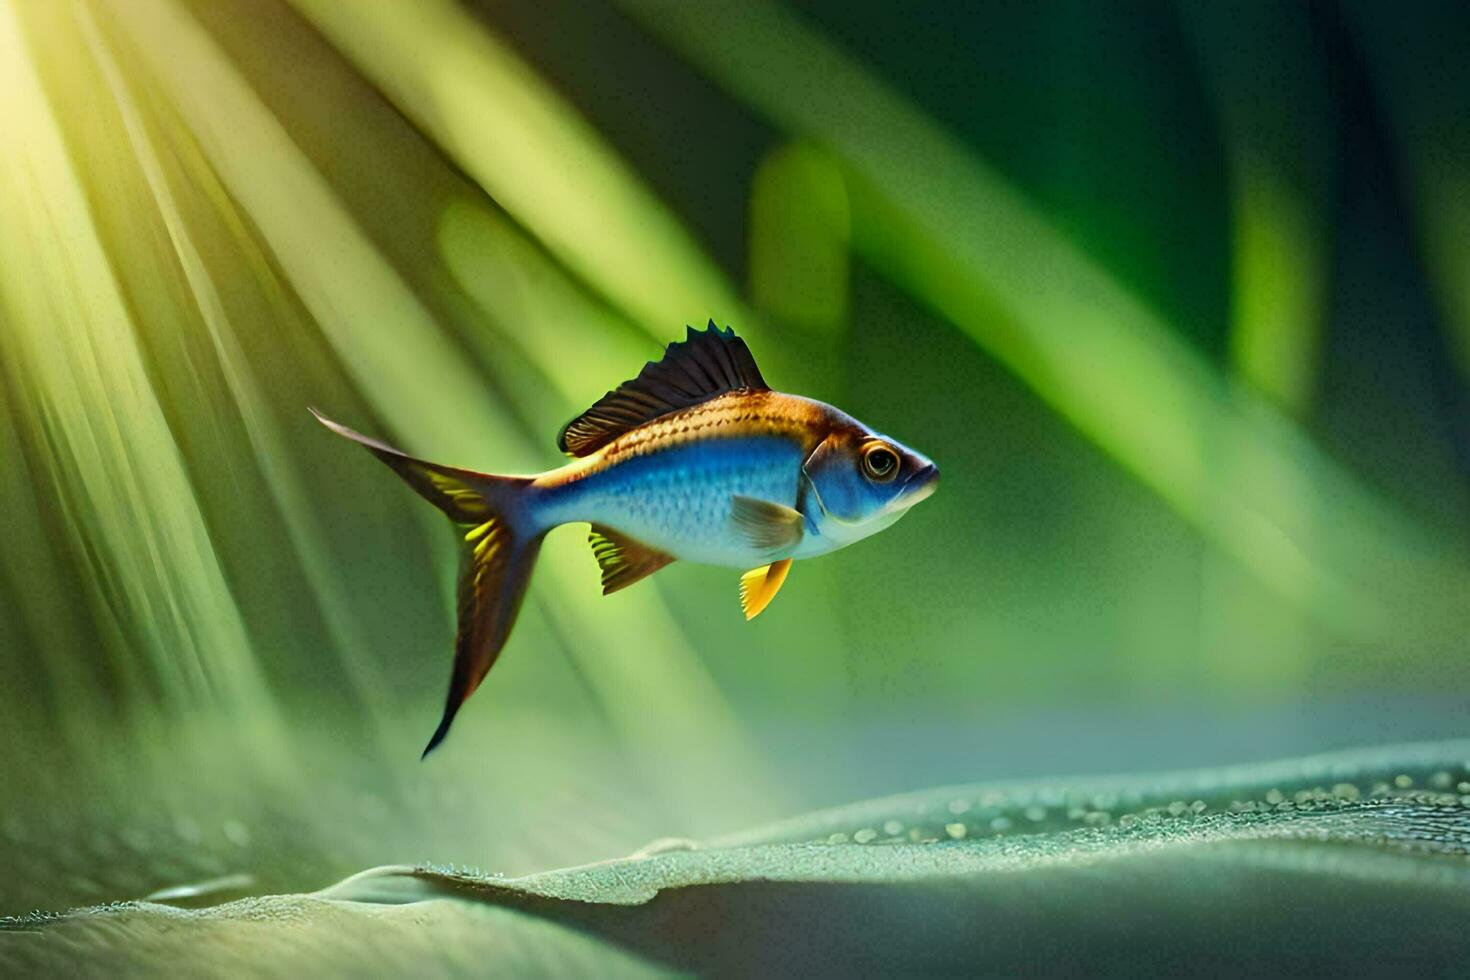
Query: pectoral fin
x,y
623,561
760,585
765,526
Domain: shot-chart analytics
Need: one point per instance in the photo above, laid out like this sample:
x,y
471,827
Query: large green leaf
x,y
1343,860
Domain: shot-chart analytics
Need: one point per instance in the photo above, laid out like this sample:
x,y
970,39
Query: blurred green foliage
x,y
1176,299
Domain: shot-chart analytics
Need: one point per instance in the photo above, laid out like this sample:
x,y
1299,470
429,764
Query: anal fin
x,y
760,585
623,560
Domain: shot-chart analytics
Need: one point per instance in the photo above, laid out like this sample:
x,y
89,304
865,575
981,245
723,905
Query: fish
x,y
695,459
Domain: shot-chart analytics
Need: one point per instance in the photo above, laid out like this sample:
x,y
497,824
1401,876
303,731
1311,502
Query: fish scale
x,y
676,496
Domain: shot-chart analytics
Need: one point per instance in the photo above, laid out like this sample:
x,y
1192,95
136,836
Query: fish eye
x,y
880,463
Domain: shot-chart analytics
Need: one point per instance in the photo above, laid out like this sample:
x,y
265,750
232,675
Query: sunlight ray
x,y
389,343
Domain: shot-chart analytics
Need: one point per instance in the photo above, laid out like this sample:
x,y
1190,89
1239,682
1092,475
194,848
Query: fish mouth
x,y
920,485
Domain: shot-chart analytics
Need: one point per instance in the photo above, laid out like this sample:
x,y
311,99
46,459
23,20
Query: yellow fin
x,y
760,585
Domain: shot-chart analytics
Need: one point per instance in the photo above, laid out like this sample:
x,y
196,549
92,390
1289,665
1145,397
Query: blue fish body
x,y
696,459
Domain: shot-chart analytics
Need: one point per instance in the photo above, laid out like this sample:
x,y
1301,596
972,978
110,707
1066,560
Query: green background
x,y
1176,297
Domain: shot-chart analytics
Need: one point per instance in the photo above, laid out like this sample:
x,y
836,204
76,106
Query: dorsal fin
x,y
707,363
623,561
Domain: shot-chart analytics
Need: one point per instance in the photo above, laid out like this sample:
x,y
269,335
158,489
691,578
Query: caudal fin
x,y
500,549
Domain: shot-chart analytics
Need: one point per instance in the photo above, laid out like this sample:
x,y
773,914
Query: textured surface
x,y
1335,861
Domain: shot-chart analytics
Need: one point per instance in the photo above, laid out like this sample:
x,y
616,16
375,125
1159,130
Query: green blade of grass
x,y
532,152
955,234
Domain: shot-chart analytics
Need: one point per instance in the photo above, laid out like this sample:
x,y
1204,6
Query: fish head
x,y
863,481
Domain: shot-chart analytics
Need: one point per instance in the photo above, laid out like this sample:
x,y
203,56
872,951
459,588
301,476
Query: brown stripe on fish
x,y
735,415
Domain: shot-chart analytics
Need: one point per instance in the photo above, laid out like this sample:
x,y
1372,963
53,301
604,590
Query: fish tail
x,y
501,536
